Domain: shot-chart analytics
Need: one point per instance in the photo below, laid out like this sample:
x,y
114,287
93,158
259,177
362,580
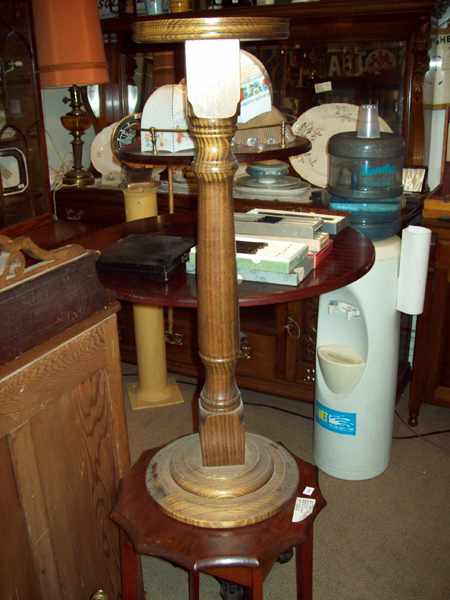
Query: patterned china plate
x,y
318,124
101,152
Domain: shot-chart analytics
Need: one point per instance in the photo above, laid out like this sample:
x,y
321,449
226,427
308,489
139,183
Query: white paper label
x,y
302,509
308,491
323,87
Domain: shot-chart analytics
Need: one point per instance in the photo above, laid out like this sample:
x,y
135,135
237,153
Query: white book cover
x,y
266,255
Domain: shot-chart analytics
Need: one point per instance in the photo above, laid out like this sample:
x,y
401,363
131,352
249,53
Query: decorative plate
x,y
101,152
318,124
283,182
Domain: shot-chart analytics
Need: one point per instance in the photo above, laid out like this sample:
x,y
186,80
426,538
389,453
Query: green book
x,y
291,279
259,254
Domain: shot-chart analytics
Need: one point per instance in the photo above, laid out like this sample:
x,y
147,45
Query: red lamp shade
x,y
69,43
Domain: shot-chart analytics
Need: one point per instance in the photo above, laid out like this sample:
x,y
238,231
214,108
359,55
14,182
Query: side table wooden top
x,y
352,256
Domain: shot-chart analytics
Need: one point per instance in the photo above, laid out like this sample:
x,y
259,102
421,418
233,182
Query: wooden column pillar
x,y
153,388
222,431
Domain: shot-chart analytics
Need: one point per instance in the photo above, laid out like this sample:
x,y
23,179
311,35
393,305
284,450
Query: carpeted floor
x,y
382,539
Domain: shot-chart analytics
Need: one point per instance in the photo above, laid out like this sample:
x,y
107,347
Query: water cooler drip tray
x,y
341,367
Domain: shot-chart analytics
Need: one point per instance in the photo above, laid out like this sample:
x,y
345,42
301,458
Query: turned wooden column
x,y
220,477
153,388
222,431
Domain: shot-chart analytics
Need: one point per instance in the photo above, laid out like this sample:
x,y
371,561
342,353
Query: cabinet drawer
x,y
90,205
260,358
90,213
185,332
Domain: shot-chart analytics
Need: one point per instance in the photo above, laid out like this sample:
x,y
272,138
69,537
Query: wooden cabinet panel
x,y
58,423
431,378
63,440
18,578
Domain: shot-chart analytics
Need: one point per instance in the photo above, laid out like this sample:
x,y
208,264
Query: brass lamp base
x,y
76,122
226,496
79,178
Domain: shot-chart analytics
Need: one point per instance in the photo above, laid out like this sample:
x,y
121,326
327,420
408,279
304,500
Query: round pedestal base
x,y
141,398
222,497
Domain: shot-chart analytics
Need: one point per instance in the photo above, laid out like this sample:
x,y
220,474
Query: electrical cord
x,y
283,410
308,418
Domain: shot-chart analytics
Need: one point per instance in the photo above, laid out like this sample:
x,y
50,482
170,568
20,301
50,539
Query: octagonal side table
x,y
242,555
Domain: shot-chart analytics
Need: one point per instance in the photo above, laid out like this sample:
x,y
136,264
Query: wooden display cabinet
x,y
24,185
372,51
431,369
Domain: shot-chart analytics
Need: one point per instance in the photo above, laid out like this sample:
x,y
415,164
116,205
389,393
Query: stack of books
x,y
267,261
312,229
281,247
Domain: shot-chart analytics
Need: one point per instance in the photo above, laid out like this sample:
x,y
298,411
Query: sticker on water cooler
x,y
336,420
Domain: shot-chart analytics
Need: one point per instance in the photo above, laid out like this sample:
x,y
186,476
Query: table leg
x,y
194,585
257,585
304,567
132,584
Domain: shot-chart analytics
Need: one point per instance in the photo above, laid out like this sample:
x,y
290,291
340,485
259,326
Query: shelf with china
x,y
373,41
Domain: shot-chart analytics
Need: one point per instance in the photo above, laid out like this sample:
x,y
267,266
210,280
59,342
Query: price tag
x,y
302,509
308,491
326,86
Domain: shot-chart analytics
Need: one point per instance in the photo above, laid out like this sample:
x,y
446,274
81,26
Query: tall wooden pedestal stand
x,y
153,387
222,477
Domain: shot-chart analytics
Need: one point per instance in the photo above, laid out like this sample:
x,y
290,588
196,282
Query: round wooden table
x,y
351,257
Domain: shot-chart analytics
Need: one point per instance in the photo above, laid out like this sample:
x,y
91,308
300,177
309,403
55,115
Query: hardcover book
x,y
262,224
319,256
314,244
253,253
292,279
331,223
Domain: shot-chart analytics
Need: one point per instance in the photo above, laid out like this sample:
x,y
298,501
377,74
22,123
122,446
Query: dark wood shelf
x,y
296,12
133,156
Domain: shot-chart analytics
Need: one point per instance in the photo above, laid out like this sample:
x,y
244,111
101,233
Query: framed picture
x,y
414,179
13,171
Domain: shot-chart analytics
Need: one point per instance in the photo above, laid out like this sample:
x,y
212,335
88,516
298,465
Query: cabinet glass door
x,y
355,73
24,188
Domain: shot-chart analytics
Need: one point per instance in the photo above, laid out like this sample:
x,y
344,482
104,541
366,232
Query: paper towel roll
x,y
413,269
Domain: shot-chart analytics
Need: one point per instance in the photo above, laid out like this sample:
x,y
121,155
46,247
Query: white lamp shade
x,y
213,77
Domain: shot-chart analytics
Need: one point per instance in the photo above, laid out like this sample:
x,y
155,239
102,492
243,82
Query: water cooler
x,y
359,325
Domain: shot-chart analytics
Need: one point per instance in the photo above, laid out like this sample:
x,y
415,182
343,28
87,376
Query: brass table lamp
x,y
71,54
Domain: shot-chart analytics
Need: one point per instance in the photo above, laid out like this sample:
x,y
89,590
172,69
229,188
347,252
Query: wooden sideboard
x,y
431,368
63,440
